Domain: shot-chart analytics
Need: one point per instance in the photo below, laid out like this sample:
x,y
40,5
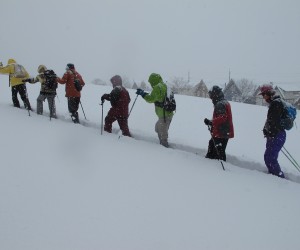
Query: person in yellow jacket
x,y
16,83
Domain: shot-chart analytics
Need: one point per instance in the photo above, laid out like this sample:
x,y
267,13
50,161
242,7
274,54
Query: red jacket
x,y
222,126
68,79
119,99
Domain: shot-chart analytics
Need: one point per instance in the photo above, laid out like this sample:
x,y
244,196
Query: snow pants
x,y
51,103
73,106
217,148
273,146
21,89
113,116
162,129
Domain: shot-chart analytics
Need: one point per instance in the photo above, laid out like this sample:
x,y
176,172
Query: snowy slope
x,y
64,186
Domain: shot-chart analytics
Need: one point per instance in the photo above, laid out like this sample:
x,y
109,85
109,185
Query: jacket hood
x,y
155,79
70,66
41,69
216,94
10,61
116,80
273,98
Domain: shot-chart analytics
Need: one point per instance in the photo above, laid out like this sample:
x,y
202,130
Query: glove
x,y
207,122
105,97
26,80
267,133
141,92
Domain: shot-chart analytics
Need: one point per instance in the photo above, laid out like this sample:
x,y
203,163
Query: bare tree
x,y
247,88
180,86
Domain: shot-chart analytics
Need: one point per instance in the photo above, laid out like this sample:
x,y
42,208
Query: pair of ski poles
x,y
290,158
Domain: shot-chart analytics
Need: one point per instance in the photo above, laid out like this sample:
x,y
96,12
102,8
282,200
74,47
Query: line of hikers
x,y
220,126
18,77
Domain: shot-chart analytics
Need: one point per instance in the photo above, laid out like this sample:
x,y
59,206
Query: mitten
x,y
105,97
207,122
26,80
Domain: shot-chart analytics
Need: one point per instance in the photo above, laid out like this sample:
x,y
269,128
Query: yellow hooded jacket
x,y
10,69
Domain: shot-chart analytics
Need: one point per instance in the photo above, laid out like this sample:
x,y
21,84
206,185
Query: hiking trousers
x,y
162,129
21,89
73,106
122,121
217,148
273,147
51,103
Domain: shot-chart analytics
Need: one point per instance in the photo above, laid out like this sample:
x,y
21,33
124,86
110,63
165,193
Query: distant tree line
x,y
241,90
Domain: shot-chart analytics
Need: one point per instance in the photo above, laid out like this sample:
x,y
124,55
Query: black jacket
x,y
275,113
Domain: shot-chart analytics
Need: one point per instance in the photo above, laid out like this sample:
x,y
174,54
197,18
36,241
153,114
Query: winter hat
x,y
154,79
41,69
267,89
116,80
215,91
70,66
10,61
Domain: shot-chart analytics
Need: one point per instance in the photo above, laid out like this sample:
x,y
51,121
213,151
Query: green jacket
x,y
158,94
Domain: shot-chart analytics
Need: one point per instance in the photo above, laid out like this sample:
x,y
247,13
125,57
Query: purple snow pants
x,y
273,146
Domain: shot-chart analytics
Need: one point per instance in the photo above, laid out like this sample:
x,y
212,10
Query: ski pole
x,y
291,161
102,118
27,100
218,153
82,110
291,158
50,111
133,105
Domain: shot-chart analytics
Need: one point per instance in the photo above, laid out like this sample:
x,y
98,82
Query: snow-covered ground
x,y
67,187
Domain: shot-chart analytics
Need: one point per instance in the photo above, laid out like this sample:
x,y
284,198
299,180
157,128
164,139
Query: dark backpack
x,y
170,103
51,82
77,84
289,115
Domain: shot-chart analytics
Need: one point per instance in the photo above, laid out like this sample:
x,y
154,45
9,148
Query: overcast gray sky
x,y
257,39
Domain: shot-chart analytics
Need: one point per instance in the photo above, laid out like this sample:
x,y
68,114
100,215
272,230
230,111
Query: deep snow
x,y
64,186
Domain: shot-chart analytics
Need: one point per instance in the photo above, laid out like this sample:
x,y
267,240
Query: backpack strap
x,y
162,104
76,80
